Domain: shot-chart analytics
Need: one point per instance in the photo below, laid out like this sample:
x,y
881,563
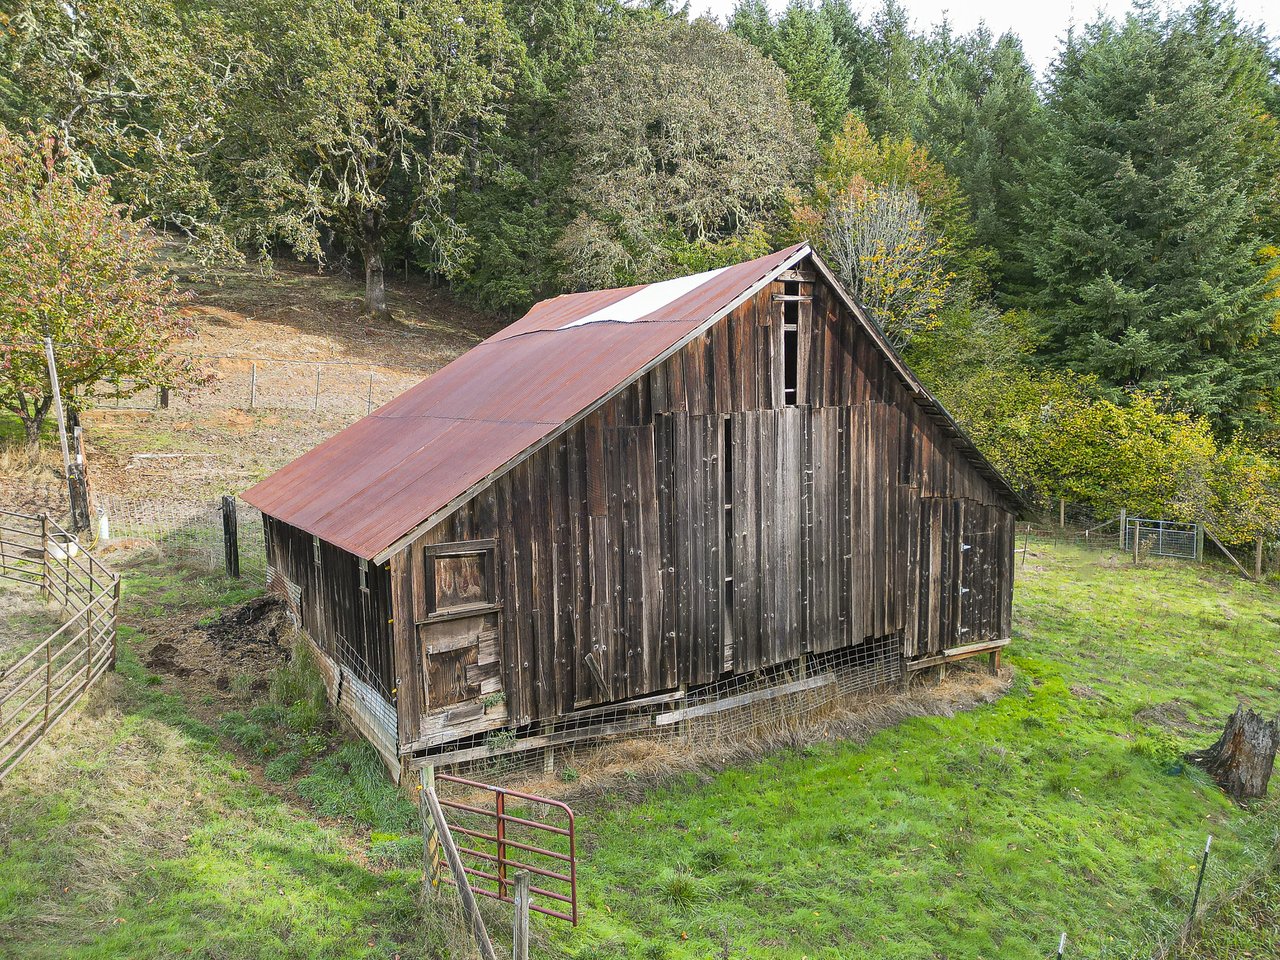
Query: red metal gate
x,y
515,842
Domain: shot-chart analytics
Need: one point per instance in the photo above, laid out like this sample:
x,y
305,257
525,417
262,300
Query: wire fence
x,y
194,532
329,387
777,705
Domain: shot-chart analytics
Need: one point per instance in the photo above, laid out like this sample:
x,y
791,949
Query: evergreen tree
x,y
984,122
517,205
752,22
1145,224
889,84
805,48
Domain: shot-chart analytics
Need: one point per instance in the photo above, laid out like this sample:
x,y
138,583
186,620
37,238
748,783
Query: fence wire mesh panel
x,y
328,387
1162,538
187,532
738,713
40,682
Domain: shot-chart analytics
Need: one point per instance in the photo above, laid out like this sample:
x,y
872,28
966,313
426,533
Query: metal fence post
x,y
253,383
520,920
45,572
369,401
500,818
1204,862
315,402
230,537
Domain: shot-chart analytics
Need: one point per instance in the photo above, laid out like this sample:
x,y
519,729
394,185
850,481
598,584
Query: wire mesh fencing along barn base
x,y
818,696
194,533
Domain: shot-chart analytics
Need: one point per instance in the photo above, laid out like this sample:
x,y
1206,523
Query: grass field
x,y
162,821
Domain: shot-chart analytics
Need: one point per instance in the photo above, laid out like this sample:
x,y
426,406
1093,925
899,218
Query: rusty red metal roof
x,y
371,486
373,483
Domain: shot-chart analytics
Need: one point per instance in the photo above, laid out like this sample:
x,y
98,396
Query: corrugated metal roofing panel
x,y
372,483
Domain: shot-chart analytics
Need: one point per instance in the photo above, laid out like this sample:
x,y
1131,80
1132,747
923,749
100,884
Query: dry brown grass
x,y
91,788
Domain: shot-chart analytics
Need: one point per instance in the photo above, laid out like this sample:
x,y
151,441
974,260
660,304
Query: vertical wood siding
x,y
696,526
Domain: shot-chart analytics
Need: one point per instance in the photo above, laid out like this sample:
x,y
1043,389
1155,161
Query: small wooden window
x,y
362,574
460,578
315,550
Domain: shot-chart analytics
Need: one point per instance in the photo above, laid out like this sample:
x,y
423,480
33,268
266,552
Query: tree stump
x,y
1242,759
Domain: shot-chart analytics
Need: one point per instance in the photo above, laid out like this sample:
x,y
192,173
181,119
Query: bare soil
x,y
218,664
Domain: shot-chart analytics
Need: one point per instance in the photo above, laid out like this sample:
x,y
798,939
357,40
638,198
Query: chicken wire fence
x,y
189,532
765,707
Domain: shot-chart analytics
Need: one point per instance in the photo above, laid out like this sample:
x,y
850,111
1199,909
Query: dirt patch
x,y
1082,691
225,660
1171,716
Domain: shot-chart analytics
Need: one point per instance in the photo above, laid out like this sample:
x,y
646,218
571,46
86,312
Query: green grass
x,y
151,829
1063,806
1244,924
138,833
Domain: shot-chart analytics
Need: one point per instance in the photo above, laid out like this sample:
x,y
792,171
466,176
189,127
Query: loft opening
x,y
460,579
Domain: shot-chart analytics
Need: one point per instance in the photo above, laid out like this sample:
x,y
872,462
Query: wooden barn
x,y
630,496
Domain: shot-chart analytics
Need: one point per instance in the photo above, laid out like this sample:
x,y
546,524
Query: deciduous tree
x,y
76,268
685,141
364,122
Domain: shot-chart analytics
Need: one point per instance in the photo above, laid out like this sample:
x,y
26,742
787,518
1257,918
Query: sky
x,y
1040,23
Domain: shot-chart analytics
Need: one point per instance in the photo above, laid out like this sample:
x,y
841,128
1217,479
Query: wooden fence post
x,y
1124,529
431,858
253,383
520,920
1257,559
1062,513
230,537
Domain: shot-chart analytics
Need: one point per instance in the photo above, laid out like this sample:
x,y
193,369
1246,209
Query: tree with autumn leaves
x,y
76,268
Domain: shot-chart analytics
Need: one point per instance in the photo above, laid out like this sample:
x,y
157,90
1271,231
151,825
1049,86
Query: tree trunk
x,y
375,283
1242,759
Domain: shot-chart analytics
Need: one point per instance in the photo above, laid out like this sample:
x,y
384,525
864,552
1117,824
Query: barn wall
x,y
349,625
704,523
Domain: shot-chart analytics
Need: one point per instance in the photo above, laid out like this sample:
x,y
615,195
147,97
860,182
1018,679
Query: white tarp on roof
x,y
647,300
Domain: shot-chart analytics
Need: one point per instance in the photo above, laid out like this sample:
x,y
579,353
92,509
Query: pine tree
x,y
1145,215
805,49
984,122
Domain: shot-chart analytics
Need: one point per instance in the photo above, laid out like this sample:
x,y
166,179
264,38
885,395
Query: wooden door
x,y
458,639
